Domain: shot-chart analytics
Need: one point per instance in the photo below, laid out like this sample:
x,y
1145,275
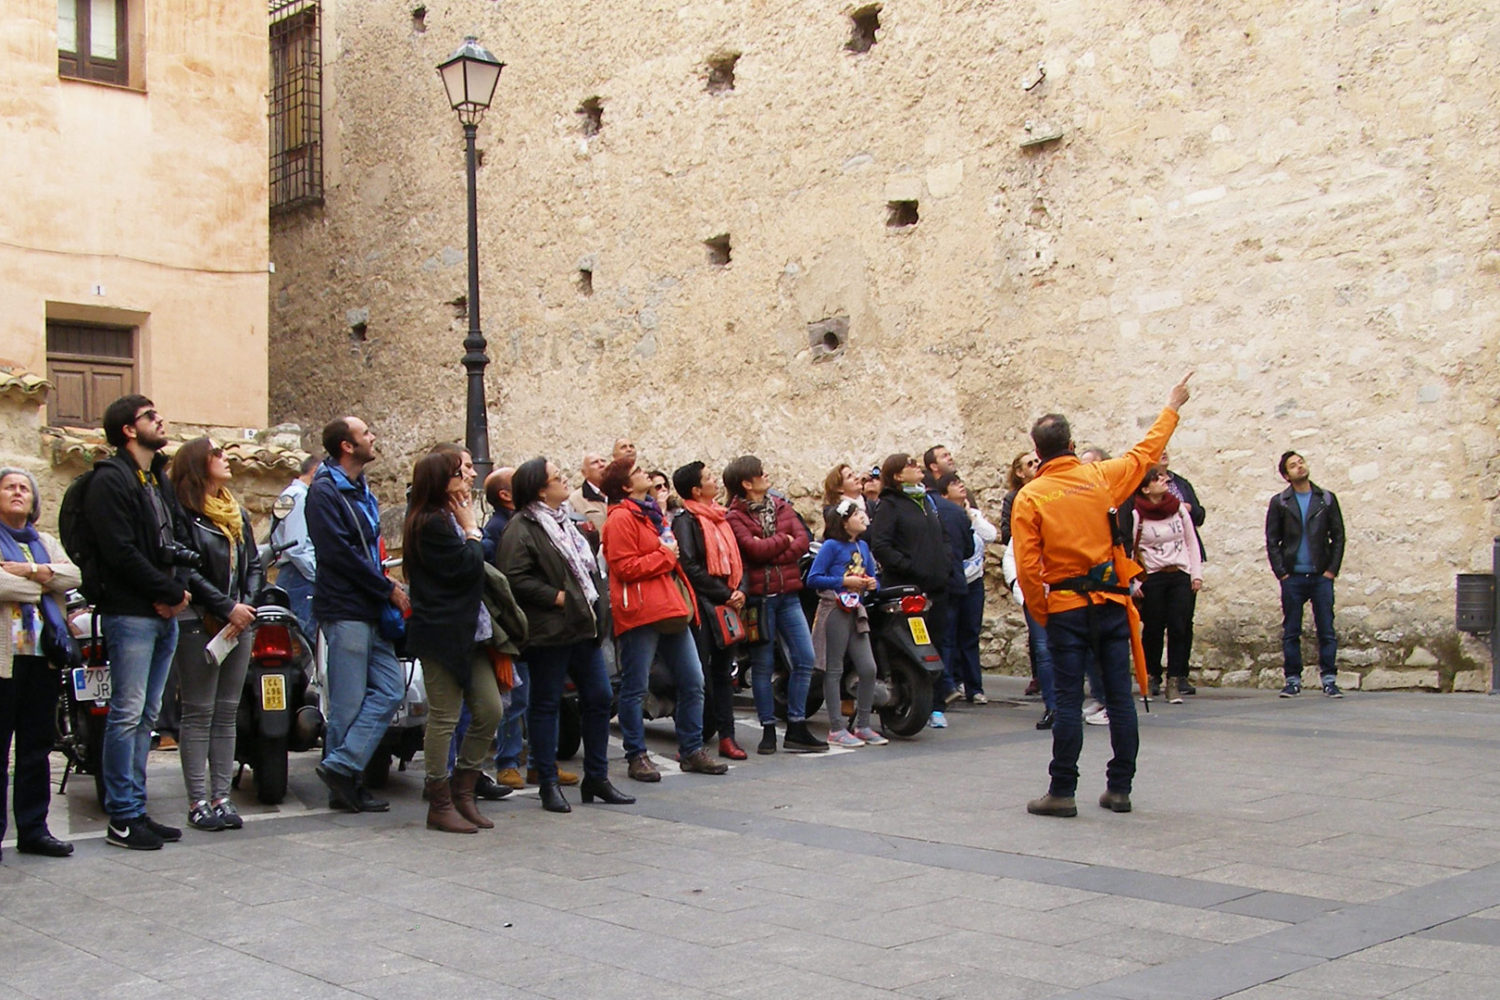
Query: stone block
x,y
1236,678
1383,679
1349,680
1421,658
1472,680
1271,678
945,178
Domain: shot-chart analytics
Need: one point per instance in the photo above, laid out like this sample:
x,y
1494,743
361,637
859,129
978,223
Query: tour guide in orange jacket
x,y
1061,526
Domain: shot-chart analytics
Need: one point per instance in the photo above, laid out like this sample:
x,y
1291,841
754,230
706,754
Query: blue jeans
x,y
140,654
1296,590
782,612
1102,631
1041,659
550,667
365,684
967,623
940,617
300,589
638,648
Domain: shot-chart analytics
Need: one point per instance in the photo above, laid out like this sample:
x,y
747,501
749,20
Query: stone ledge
x,y
18,382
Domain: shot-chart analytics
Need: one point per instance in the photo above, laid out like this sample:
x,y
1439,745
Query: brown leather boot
x,y
463,798
440,812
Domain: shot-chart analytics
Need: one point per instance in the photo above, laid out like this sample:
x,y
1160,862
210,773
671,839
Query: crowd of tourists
x,y
632,567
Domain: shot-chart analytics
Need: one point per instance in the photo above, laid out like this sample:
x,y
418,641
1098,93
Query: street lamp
x,y
469,76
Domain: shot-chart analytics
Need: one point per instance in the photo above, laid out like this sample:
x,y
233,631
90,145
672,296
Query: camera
x,y
177,554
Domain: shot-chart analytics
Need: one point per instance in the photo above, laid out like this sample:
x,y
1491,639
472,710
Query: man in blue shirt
x,y
1305,545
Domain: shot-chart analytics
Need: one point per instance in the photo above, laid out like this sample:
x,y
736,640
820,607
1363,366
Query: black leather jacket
x,y
1325,531
212,589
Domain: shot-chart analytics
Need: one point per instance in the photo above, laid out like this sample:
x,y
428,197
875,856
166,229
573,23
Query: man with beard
x,y
132,515
350,598
1305,545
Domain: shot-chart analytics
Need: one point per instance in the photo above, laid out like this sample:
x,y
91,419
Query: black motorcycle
x,y
276,715
83,702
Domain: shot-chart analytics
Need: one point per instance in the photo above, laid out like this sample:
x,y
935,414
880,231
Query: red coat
x,y
770,563
642,572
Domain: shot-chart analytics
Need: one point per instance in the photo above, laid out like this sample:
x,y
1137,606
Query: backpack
x,y
77,535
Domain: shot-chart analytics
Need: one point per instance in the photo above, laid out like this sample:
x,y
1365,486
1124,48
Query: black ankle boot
x,y
605,792
551,795
767,739
799,739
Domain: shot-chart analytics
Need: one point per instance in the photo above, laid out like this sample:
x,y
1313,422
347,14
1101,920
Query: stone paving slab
x,y
1351,849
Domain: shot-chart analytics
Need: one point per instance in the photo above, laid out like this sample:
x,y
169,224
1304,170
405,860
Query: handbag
x,y
392,625
724,626
751,619
677,623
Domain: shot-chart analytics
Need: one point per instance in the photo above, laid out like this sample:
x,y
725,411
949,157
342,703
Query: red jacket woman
x,y
643,573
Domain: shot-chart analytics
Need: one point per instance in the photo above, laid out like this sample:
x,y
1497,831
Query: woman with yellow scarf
x,y
218,528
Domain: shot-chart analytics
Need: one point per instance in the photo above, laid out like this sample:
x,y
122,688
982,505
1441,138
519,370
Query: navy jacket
x,y
350,586
493,529
959,534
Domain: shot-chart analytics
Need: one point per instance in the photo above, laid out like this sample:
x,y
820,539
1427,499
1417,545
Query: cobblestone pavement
x,y
1280,850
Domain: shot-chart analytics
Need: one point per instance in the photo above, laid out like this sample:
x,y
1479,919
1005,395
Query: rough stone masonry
x,y
721,227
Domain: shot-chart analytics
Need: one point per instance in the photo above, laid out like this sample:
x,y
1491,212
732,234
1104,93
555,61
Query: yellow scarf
x,y
224,511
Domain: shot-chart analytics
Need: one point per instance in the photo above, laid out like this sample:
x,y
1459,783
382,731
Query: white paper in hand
x,y
221,645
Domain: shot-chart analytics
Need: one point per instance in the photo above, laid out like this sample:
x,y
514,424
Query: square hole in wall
x,y
864,22
585,281
419,19
827,336
721,72
901,214
591,115
718,249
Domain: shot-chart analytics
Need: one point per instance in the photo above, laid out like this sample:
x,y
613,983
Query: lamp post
x,y
469,76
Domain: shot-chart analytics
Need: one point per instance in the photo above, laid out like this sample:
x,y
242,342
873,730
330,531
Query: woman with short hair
x,y
222,591
653,606
35,573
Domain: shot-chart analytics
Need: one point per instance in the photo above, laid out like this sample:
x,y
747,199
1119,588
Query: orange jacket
x,y
1060,521
643,575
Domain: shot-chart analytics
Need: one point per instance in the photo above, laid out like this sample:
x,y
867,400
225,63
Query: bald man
x,y
588,500
624,448
497,492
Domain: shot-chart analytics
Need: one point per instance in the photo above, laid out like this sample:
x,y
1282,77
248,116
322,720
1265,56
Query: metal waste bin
x,y
1475,612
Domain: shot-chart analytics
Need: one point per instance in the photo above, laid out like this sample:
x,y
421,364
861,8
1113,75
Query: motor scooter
x,y
83,702
275,714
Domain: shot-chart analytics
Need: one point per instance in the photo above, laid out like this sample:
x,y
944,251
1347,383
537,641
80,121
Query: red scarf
x,y
1157,510
721,552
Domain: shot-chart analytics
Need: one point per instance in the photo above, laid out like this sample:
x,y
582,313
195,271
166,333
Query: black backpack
x,y
77,535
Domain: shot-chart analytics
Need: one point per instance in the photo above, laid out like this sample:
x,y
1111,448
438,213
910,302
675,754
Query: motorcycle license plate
x,y
91,683
918,628
272,692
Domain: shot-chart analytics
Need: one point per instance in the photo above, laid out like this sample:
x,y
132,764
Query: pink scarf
x,y
721,552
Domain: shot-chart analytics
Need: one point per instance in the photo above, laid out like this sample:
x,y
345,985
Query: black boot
x,y
767,740
800,740
489,789
551,795
601,789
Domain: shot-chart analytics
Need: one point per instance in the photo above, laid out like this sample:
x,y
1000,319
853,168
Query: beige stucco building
x,y
133,252
822,233
133,248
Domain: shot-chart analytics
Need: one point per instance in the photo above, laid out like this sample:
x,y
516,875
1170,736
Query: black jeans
x,y
1167,612
551,666
718,687
27,703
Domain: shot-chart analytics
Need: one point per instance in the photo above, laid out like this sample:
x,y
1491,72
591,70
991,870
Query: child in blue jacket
x,y
842,573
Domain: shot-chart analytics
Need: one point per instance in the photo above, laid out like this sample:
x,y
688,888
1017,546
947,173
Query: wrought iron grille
x,y
296,104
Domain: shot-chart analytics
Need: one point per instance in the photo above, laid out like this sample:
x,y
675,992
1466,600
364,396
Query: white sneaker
x,y
980,699
1095,715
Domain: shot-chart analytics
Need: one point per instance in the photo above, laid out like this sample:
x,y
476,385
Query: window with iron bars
x,y
296,105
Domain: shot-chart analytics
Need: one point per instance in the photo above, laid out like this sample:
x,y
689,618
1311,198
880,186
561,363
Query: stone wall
x,y
1294,197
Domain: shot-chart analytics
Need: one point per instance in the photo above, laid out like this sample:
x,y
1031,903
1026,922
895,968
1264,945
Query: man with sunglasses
x,y
134,520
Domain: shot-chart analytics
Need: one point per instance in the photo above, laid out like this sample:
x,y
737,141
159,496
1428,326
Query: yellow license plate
x,y
273,692
918,628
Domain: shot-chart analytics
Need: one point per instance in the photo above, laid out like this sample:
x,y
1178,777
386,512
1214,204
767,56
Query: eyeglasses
x,y
151,415
216,453
912,463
